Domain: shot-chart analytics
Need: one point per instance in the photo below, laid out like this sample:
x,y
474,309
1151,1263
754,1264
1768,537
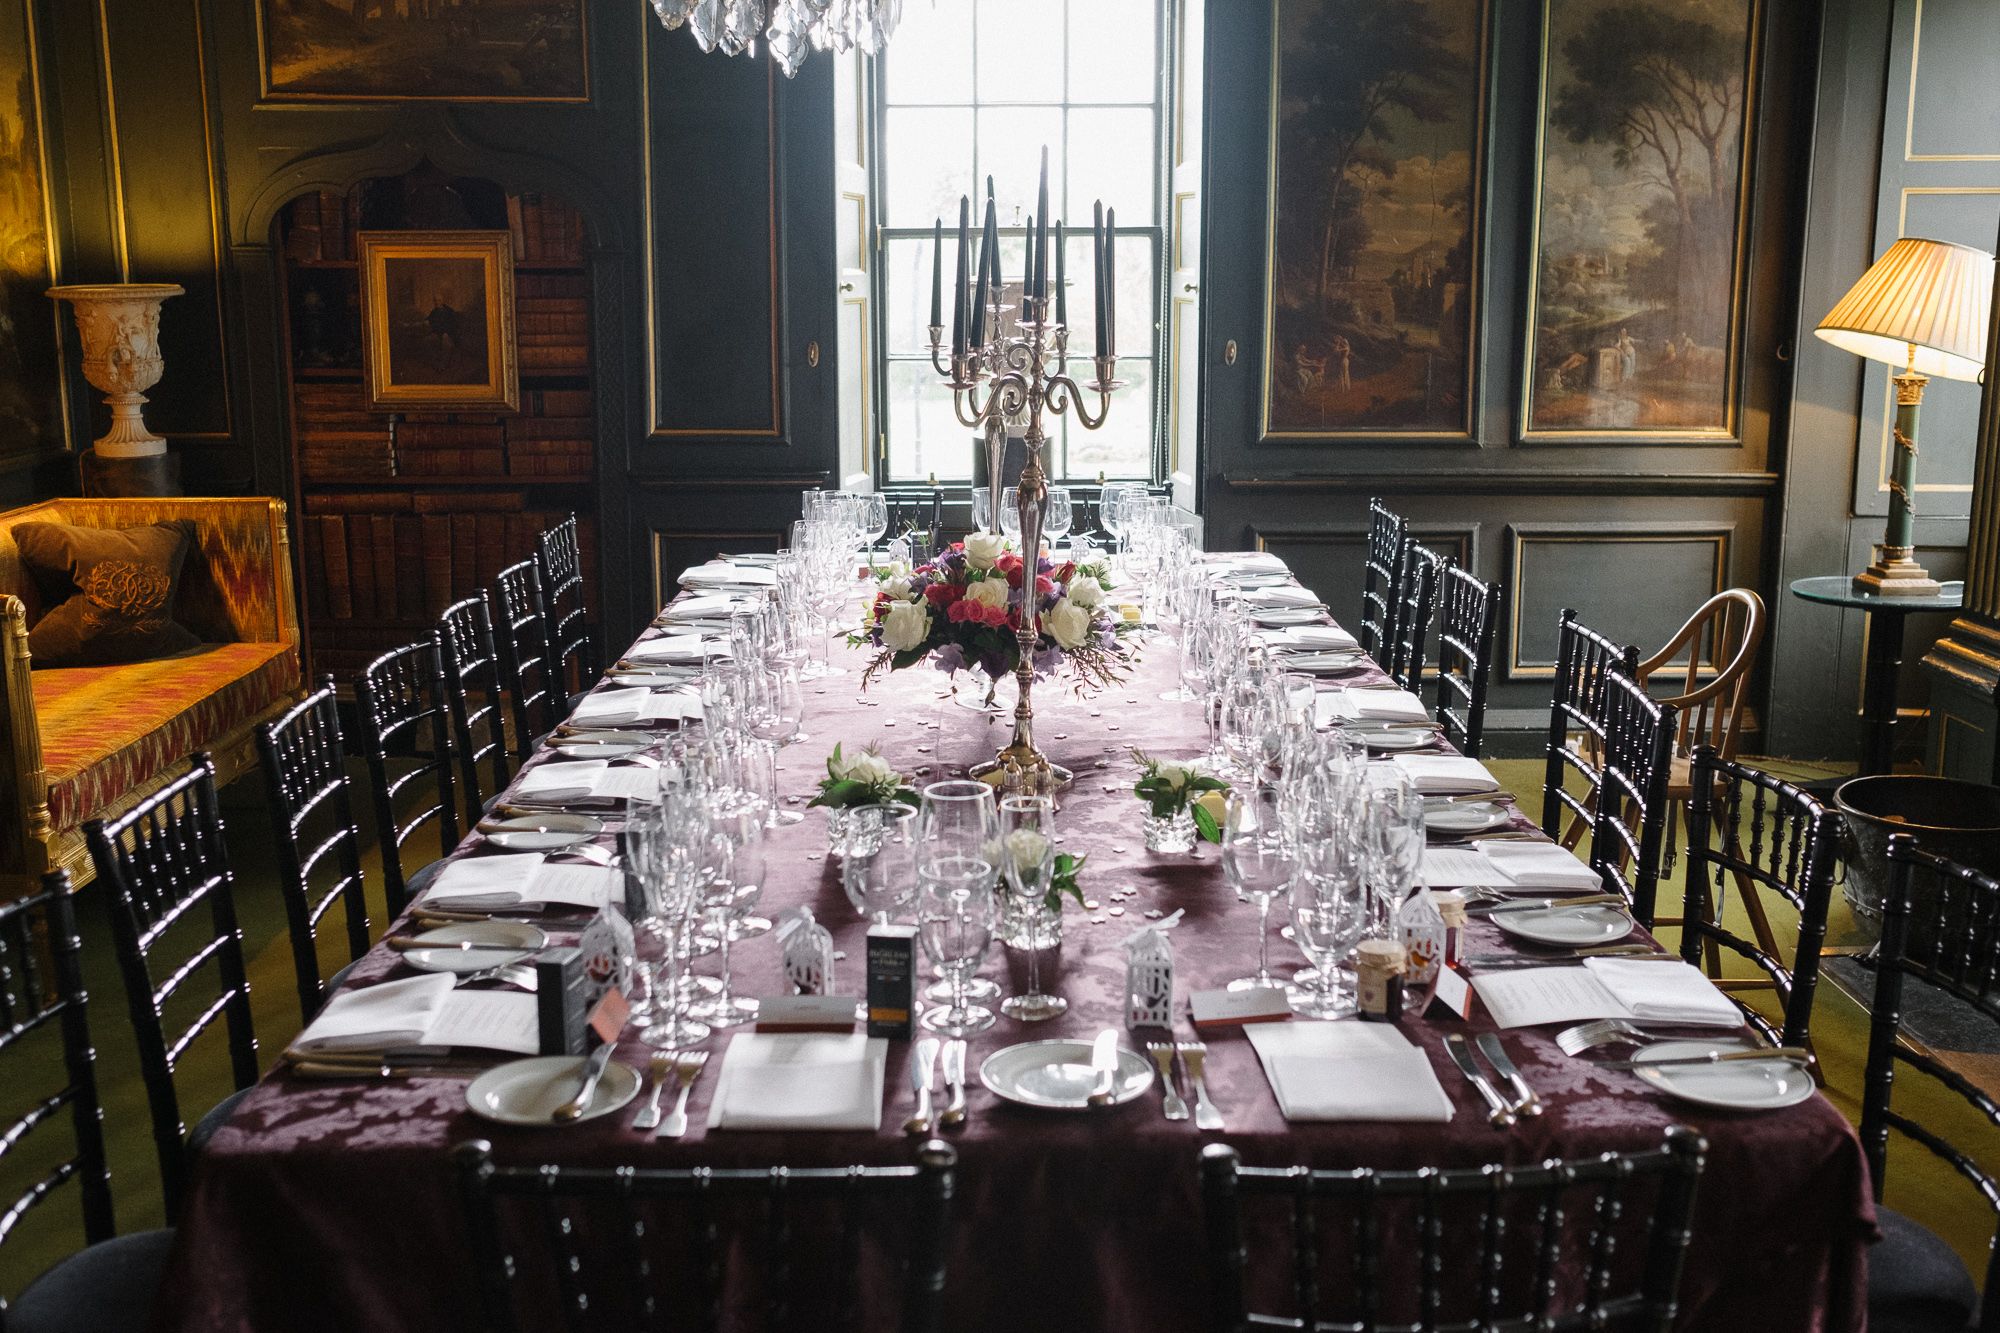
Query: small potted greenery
x,y
1180,803
851,783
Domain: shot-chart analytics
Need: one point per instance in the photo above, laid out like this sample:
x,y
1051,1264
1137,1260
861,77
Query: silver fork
x,y
1174,1108
1194,1055
687,1068
1603,1032
658,1070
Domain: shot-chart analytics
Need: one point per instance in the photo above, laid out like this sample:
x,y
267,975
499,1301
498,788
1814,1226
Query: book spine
x,y
339,587
437,563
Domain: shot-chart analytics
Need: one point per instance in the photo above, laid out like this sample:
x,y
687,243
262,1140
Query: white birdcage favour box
x,y
808,950
1149,975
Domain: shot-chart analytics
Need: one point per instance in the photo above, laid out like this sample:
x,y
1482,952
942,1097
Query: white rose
x,y
1176,775
1027,848
906,626
870,769
982,549
1068,623
1086,591
898,588
988,592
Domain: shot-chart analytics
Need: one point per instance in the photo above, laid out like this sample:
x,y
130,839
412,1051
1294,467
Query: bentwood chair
x,y
109,1285
1466,632
1757,833
1576,736
1416,609
572,652
1941,928
162,862
1381,577
305,773
1593,1242
406,739
1628,833
472,691
522,637
646,1247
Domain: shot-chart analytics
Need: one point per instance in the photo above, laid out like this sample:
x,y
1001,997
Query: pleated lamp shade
x,y
1933,296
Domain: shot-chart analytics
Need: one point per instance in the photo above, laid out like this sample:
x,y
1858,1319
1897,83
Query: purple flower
x,y
948,658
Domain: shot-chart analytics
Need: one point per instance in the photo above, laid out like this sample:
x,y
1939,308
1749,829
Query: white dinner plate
x,y
1056,1075
1558,924
1762,1085
601,744
494,944
1332,663
1272,617
1396,740
1257,578
527,1092
1465,817
541,833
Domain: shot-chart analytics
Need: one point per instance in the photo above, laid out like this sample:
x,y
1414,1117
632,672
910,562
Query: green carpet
x,y
1921,1185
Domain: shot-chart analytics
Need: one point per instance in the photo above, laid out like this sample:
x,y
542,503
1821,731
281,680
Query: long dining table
x,y
332,1205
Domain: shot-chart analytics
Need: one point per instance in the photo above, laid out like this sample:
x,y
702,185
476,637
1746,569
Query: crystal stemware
x,y
1330,915
1258,859
1028,858
957,911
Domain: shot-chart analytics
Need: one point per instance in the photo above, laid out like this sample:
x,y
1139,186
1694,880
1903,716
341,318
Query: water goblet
x,y
1028,859
1258,859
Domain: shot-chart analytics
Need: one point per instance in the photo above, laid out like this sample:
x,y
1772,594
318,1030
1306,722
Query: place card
x,y
806,1013
1229,1008
1454,994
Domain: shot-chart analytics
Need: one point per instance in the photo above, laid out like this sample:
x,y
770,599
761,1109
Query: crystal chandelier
x,y
792,28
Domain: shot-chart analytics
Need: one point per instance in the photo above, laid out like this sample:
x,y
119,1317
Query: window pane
x,y
1135,296
1112,52
1111,158
927,147
1010,150
930,59
906,293
924,436
1020,50
1123,445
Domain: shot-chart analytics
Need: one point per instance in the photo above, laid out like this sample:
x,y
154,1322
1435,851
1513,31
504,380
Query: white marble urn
x,y
119,326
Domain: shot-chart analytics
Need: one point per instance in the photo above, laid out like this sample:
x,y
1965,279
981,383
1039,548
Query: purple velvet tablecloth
x,y
332,1205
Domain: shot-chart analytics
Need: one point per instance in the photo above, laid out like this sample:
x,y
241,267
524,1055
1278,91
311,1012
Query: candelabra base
x,y
1023,769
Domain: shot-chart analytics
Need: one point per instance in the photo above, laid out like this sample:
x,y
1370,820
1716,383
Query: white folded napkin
x,y
1309,639
1541,865
1288,594
1244,560
719,574
708,606
612,708
1664,992
1444,774
1369,705
522,880
800,1080
421,1012
1348,1071
677,648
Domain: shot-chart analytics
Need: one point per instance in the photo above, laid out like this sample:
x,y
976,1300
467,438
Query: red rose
x,y
1066,572
940,594
1044,586
963,611
1007,563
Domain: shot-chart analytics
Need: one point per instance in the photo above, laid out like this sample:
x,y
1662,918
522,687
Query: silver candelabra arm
x,y
1065,394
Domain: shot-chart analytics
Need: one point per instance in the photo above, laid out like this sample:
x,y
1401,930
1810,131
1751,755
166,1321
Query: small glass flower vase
x,y
1173,833
845,835
1023,927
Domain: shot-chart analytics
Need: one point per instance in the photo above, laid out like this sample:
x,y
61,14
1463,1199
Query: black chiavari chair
x,y
1594,1242
522,637
1416,609
1381,578
472,690
1755,832
305,772
1946,938
1466,631
108,1286
611,1247
1628,832
405,714
572,652
1576,737
162,862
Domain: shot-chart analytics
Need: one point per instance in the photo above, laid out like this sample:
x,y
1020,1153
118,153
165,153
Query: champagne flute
x,y
1028,857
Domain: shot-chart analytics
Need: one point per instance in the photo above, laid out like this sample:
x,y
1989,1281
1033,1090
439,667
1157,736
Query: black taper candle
x,y
1097,269
958,323
1042,231
1062,297
976,330
937,274
1111,281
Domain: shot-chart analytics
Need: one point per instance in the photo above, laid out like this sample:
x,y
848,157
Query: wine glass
x,y
1392,834
880,876
1330,915
734,857
956,914
982,508
872,513
1028,857
1057,516
1258,859
1010,512
960,818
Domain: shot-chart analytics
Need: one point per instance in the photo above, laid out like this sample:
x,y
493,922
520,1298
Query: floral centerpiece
x,y
1182,803
963,610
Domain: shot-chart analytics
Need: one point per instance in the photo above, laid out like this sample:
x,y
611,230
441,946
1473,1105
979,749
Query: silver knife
x,y
1526,1100
954,1081
923,1062
593,1070
1461,1055
1104,1059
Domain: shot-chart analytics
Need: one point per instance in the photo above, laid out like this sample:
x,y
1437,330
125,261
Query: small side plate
x,y
1762,1085
1270,616
541,833
494,944
1056,1075
527,1092
1567,926
1466,818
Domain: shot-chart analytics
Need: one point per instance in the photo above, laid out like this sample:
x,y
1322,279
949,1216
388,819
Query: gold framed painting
x,y
437,315
1642,213
423,50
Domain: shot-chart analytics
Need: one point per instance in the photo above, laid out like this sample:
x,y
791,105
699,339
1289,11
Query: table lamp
x,y
1922,307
